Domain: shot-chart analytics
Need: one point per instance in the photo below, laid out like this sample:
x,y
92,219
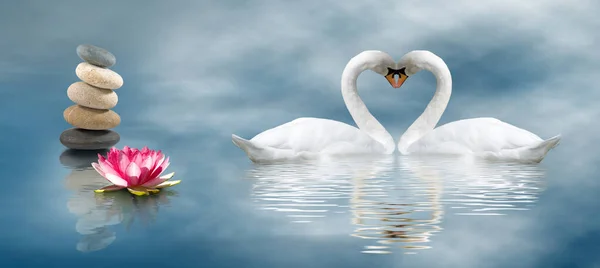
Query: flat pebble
x,y
82,139
98,76
96,56
92,97
92,119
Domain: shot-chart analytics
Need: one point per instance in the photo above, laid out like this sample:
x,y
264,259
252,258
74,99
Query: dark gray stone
x,y
83,139
96,56
78,159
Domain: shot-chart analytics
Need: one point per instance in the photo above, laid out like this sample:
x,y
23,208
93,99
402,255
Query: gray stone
x,y
96,55
83,139
80,159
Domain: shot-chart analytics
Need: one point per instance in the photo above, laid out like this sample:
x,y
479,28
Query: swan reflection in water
x,y
395,200
97,212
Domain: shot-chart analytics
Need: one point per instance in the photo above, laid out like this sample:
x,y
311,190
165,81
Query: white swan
x,y
488,138
306,138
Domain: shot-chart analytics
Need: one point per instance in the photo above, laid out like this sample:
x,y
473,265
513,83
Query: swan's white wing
x,y
474,135
316,134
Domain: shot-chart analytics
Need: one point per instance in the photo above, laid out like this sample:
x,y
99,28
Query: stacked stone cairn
x,y
93,96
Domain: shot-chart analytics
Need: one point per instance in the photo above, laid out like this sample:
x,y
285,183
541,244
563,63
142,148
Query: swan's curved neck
x,y
434,110
358,110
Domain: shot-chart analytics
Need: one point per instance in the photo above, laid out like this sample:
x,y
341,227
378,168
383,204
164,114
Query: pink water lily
x,y
137,170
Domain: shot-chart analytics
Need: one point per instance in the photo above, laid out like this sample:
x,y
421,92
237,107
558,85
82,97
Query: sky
x,y
222,67
197,71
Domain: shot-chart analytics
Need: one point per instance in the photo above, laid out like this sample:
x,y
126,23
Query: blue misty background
x,y
197,71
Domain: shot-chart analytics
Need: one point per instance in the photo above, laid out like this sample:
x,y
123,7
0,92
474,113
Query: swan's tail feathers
x,y
540,150
551,142
247,146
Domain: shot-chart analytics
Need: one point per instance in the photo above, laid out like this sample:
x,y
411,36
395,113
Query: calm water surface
x,y
358,212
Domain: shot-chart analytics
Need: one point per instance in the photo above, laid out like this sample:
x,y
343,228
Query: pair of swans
x,y
306,138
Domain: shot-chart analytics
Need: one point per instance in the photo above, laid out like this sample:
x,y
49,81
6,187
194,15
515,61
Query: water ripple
x,y
395,202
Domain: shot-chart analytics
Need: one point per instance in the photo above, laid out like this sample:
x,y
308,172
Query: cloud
x,y
228,67
226,70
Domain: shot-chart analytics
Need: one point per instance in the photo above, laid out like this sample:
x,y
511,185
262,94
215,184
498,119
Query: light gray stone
x,y
92,97
98,77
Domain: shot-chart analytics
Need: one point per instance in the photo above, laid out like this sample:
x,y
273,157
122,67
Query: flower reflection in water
x,y
97,212
395,201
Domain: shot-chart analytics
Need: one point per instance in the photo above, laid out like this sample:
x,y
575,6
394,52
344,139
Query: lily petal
x,y
159,162
167,184
107,167
137,158
167,176
123,163
159,169
138,191
153,182
113,156
143,175
116,180
133,172
98,168
147,163
158,180
153,191
165,163
109,188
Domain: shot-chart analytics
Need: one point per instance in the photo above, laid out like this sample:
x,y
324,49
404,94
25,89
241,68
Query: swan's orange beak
x,y
396,83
